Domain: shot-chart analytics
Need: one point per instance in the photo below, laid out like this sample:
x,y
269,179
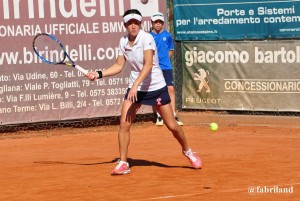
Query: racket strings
x,y
49,49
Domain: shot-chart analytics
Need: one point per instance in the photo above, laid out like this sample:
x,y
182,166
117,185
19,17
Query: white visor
x,y
132,16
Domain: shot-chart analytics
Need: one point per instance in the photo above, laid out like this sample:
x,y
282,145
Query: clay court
x,y
247,154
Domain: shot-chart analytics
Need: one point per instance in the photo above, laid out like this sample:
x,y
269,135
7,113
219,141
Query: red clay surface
x,y
75,163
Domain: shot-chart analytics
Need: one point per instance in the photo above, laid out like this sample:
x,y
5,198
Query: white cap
x,y
157,16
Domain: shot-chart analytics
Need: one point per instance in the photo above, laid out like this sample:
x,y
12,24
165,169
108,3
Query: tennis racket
x,y
51,51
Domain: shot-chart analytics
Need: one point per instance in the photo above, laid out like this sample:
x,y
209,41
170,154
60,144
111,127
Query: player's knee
x,y
174,128
125,125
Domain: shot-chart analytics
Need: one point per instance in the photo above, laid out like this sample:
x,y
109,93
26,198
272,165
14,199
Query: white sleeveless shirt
x,y
135,56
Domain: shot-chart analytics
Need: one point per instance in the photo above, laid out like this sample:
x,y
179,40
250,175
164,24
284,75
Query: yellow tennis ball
x,y
213,126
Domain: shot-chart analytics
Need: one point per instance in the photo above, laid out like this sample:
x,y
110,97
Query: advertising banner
x,y
236,20
32,91
259,76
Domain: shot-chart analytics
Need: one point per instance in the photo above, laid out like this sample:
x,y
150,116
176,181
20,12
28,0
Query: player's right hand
x,y
91,75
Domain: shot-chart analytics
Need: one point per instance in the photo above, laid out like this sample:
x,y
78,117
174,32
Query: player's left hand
x,y
132,94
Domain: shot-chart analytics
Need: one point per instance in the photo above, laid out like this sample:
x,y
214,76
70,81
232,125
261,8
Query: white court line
x,y
211,191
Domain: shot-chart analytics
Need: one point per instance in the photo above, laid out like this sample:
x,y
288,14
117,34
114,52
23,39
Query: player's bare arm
x,y
148,60
116,68
148,64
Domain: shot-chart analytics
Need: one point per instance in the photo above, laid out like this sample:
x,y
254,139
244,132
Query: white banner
x,y
260,76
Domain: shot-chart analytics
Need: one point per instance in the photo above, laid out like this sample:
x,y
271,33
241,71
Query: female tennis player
x,y
146,87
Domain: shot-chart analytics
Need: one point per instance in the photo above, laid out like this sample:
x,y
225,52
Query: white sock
x,y
189,150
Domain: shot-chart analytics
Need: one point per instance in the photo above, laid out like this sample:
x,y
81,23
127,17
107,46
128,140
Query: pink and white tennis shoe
x,y
121,168
194,159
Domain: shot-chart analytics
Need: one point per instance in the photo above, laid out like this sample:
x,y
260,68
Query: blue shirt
x,y
164,43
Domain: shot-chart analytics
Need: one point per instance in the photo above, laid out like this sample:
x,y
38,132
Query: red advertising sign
x,y
33,91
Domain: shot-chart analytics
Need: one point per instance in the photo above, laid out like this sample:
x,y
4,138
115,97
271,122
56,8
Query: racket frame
x,y
66,55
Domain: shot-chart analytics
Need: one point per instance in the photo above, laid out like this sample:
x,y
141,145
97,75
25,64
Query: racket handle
x,y
81,69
